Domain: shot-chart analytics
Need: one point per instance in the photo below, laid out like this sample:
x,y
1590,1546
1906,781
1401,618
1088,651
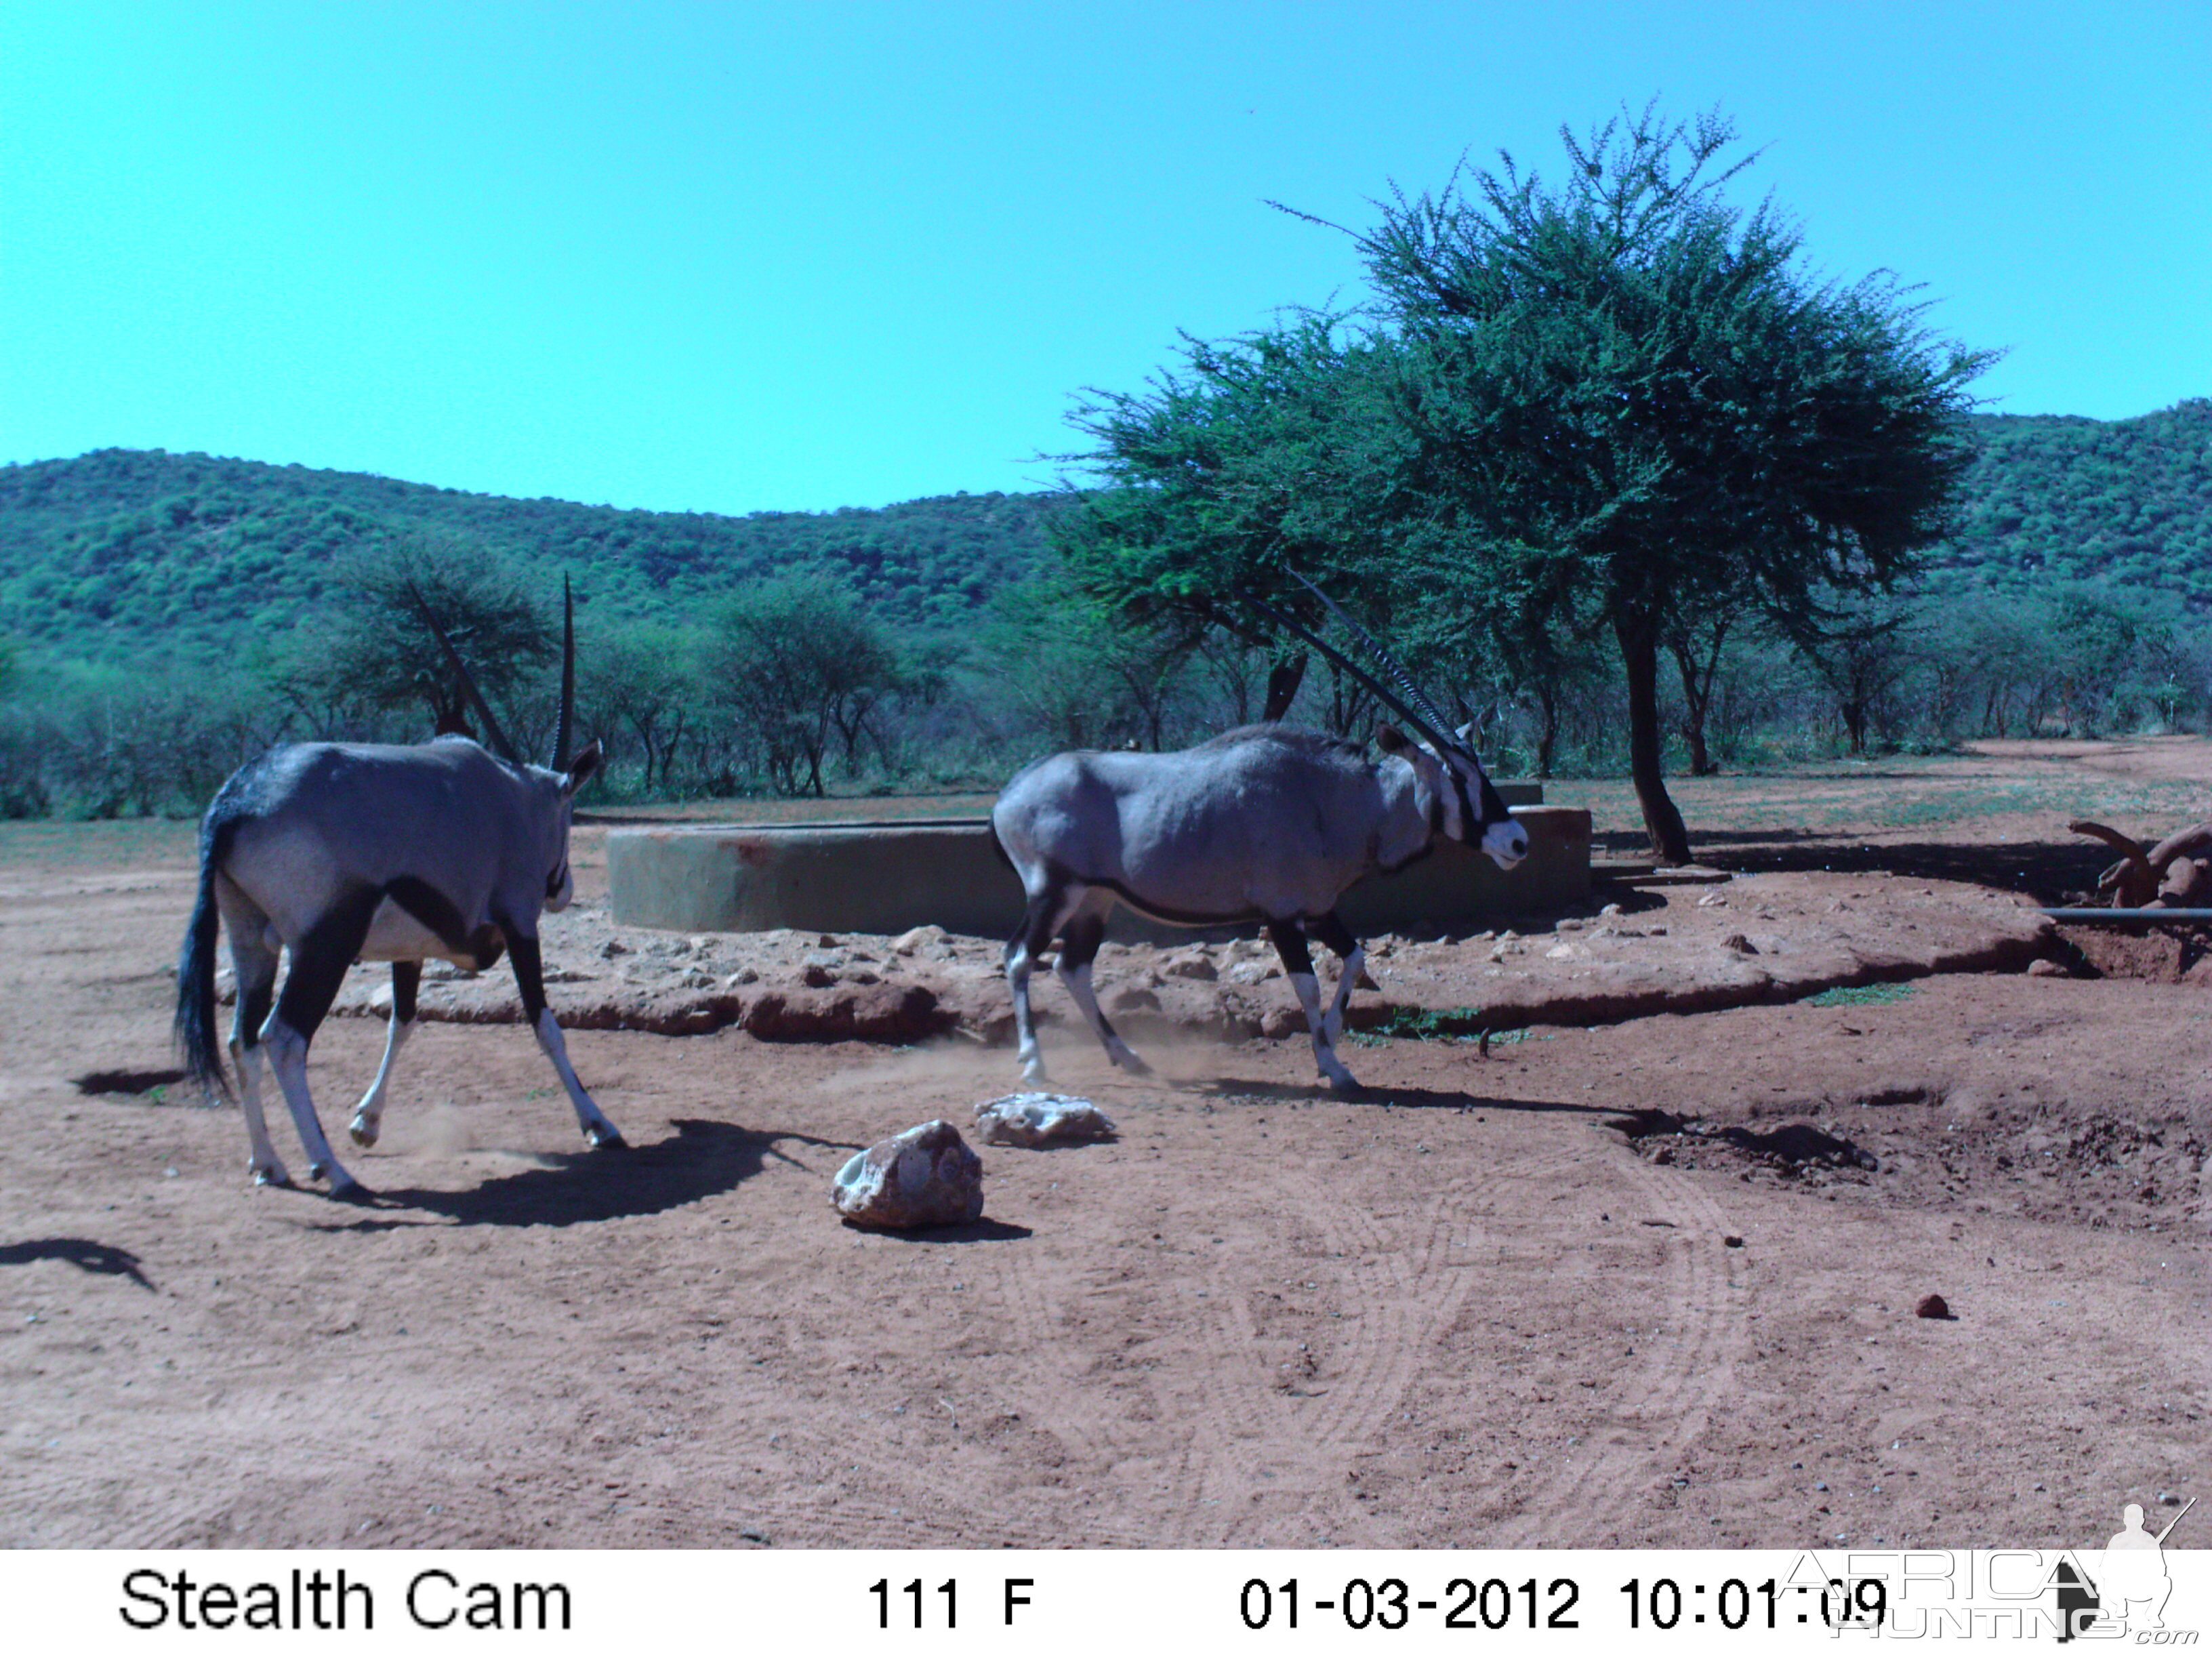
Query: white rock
x,y
926,1177
915,937
1031,1118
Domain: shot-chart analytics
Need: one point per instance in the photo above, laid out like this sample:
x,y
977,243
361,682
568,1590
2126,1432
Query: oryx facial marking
x,y
341,853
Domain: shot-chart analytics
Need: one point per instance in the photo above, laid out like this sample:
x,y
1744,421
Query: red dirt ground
x,y
1545,1297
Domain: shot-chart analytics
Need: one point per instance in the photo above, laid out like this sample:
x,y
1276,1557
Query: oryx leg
x,y
254,960
1048,907
368,1117
320,961
1297,962
1079,937
1350,955
530,979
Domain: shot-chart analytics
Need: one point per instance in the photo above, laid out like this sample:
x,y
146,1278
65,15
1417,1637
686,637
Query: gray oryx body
x,y
1266,823
341,853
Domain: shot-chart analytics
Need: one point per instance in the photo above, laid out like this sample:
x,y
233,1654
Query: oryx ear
x,y
581,767
1390,740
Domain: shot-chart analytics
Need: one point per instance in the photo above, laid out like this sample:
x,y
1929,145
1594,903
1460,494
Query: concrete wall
x,y
887,878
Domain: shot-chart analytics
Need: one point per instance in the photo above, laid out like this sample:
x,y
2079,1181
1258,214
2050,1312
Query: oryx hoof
x,y
1344,1085
351,1191
602,1136
269,1175
364,1133
1129,1063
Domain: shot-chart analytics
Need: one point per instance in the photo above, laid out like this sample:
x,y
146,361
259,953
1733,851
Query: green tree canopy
x,y
376,650
1627,398
1618,405
802,664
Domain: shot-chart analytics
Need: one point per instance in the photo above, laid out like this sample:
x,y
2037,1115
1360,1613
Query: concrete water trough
x,y
885,877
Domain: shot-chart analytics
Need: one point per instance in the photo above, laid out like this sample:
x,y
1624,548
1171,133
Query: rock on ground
x,y
1031,1118
926,1177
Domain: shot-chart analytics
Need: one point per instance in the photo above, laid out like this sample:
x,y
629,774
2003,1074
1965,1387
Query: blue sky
x,y
737,256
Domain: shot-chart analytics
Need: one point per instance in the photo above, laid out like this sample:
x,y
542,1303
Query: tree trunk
x,y
1855,723
1639,657
1283,682
1697,695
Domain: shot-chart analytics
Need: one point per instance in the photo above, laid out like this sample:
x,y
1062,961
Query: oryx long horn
x,y
568,678
1375,649
1422,728
499,742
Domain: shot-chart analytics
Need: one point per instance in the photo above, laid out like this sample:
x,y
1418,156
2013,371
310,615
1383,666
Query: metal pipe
x,y
2123,918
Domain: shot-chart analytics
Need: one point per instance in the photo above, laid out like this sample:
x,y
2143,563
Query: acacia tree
x,y
1273,452
641,677
802,665
377,652
1625,396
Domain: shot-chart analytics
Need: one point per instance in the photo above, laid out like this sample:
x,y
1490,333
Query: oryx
x,y
346,852
1267,823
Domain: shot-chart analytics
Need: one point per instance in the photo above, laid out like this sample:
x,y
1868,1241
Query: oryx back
x,y
1265,821
452,842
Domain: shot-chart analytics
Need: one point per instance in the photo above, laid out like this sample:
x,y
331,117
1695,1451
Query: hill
x,y
2057,498
121,553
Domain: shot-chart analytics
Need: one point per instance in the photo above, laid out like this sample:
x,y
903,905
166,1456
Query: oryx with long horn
x,y
346,852
1267,823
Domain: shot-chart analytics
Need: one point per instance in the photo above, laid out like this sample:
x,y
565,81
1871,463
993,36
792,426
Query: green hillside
x,y
124,554
2057,498
121,552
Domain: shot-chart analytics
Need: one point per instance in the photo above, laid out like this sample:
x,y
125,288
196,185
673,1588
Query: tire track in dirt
x,y
877,1481
1685,1366
1403,1279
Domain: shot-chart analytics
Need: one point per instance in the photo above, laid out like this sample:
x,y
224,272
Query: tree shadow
x,y
85,1253
1454,1100
703,1158
2049,871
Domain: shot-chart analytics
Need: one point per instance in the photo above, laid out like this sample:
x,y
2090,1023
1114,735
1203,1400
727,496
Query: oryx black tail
x,y
196,1007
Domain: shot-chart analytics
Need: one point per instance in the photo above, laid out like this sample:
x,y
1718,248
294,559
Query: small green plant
x,y
1500,1039
1422,1024
1845,996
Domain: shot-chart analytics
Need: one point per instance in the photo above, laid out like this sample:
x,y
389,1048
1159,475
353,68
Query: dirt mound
x,y
2171,953
1681,949
1789,1151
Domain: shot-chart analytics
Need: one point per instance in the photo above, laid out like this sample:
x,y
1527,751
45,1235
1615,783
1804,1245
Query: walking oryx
x,y
1267,823
345,852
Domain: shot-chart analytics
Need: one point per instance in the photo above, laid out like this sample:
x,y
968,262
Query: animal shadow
x,y
703,1158
1455,1100
85,1253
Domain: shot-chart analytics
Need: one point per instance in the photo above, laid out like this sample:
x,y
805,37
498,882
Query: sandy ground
x,y
1637,1277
